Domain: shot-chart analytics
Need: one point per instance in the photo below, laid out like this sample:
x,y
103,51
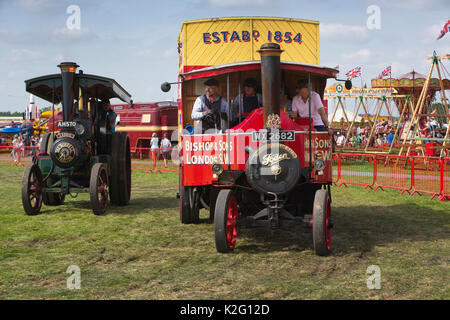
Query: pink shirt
x,y
302,108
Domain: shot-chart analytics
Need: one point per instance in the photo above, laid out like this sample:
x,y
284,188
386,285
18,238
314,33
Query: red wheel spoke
x,y
231,227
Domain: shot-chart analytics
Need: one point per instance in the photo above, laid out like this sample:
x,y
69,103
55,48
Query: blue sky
x,y
135,41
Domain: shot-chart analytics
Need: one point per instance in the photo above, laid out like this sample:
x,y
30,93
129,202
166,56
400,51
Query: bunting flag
x,y
385,73
356,72
444,30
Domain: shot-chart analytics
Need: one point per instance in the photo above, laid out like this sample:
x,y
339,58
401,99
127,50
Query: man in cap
x,y
247,101
210,110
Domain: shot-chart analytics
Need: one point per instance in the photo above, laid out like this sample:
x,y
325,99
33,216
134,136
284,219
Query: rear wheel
x,y
98,188
32,190
225,221
189,205
194,201
321,223
120,175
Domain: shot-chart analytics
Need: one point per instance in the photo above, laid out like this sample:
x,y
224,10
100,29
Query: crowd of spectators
x,y
384,133
25,145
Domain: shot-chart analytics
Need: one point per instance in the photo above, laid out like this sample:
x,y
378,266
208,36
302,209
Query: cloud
x,y
342,30
46,6
415,4
399,68
75,34
170,52
24,54
144,53
237,3
361,55
17,74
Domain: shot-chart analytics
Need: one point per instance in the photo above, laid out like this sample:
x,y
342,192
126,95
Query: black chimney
x,y
271,83
67,74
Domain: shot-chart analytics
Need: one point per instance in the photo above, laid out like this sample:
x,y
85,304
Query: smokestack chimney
x,y
67,74
271,83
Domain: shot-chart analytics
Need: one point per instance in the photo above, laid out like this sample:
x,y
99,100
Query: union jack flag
x,y
385,73
356,72
444,30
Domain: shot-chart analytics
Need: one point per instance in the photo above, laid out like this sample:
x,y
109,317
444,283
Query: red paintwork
x,y
162,114
195,174
193,68
58,117
232,216
257,66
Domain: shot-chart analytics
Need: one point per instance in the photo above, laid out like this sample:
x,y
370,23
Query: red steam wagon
x,y
253,169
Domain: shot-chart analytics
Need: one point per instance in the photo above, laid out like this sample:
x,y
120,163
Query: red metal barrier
x,y
418,174
427,176
18,153
336,162
156,155
445,179
393,172
357,169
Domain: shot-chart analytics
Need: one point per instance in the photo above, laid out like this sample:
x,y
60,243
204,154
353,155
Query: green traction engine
x,y
82,152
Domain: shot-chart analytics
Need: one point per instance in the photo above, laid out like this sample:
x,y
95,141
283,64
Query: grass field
x,y
143,252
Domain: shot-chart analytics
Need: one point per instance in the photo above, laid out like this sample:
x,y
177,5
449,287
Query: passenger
x,y
286,101
300,107
247,101
210,110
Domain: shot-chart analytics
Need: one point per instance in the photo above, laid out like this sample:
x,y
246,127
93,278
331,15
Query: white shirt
x,y
165,143
154,142
200,106
302,108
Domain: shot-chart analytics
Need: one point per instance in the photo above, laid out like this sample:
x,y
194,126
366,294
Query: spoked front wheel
x,y
225,221
32,190
321,224
99,188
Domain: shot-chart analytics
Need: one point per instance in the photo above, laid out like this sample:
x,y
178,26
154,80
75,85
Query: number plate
x,y
66,124
274,135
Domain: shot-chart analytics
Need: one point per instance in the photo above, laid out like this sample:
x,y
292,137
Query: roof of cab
x,y
49,87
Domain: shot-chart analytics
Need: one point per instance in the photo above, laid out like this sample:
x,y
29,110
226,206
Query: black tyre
x,y
189,205
212,203
194,201
225,221
321,224
120,174
184,207
31,190
98,188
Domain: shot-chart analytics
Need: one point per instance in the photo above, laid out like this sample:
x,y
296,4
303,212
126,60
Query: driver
x,y
210,110
110,114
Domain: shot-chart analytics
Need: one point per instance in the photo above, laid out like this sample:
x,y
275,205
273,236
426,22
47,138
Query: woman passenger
x,y
300,107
